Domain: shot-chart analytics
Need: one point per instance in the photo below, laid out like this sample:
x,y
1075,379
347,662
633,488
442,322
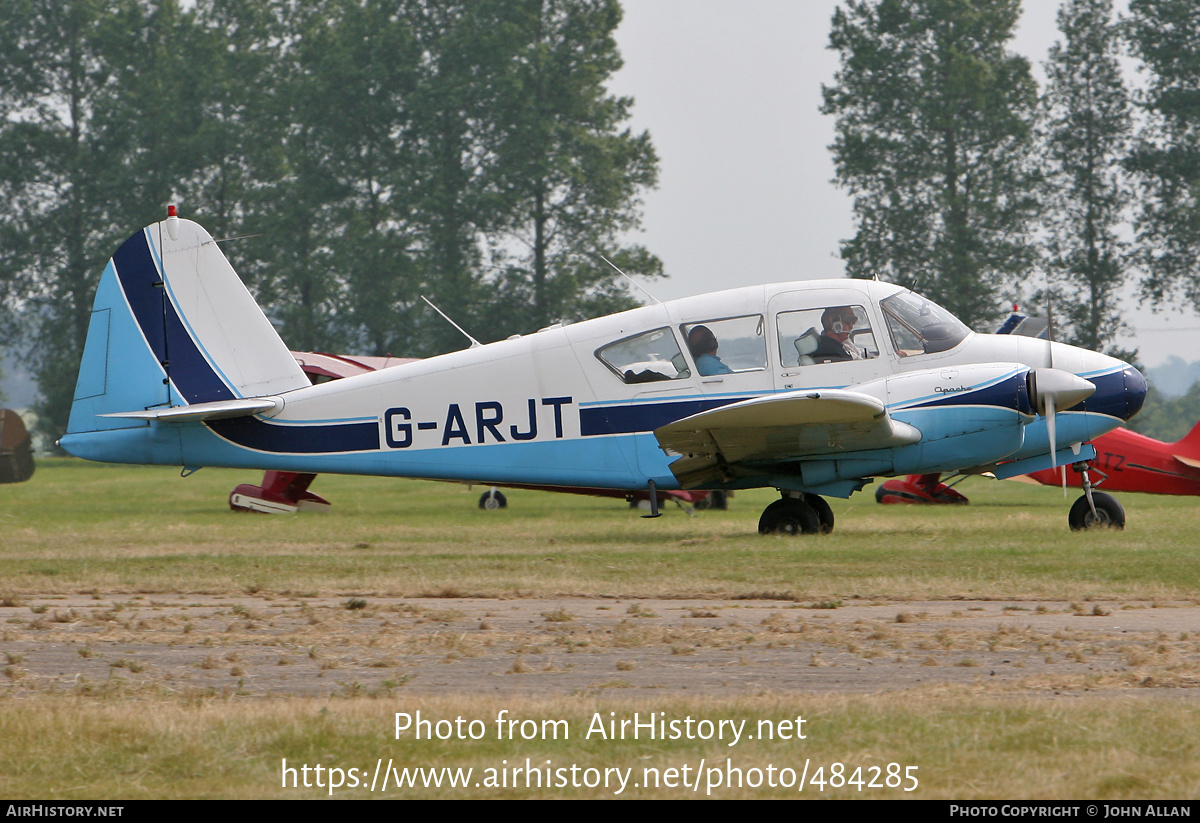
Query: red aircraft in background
x,y
1133,462
286,492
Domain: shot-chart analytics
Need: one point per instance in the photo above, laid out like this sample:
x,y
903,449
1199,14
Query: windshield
x,y
920,326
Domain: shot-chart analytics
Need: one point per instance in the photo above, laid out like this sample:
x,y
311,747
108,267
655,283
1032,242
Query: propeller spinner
x,y
1053,389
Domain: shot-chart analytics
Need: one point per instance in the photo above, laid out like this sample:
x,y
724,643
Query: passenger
x,y
703,345
834,343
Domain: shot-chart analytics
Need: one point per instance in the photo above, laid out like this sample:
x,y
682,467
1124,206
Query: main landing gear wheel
x,y
824,512
1109,513
789,515
493,499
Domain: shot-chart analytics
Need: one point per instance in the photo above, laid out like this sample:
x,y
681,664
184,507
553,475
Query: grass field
x,y
80,526
122,533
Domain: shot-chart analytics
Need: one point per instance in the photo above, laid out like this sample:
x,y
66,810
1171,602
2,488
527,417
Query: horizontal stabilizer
x,y
1187,461
215,410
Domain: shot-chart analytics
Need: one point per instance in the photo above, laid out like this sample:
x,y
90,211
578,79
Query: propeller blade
x,y
1050,429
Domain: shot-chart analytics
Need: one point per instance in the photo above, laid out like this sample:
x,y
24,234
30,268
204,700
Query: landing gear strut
x,y
1094,510
796,513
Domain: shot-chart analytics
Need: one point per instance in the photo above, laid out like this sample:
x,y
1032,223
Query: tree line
x,y
354,155
972,185
351,155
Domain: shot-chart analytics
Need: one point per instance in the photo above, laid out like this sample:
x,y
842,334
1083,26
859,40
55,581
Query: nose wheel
x,y
493,499
797,514
1094,510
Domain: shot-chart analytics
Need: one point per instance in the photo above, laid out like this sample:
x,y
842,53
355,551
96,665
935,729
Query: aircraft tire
x,y
493,499
789,515
824,512
1109,513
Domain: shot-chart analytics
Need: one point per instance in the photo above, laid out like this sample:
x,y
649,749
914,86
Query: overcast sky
x,y
730,95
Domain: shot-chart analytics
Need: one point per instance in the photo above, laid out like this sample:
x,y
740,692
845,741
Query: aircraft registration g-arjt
x,y
812,388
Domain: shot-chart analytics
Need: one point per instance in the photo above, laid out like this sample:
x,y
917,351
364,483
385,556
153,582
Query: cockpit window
x,y
646,358
830,334
919,326
727,345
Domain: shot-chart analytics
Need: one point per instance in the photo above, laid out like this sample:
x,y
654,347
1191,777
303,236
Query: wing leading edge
x,y
715,444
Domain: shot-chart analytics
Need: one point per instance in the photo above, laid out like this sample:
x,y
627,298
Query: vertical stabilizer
x,y
173,325
1189,444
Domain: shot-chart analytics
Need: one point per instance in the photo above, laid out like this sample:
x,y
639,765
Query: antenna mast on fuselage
x,y
474,343
631,280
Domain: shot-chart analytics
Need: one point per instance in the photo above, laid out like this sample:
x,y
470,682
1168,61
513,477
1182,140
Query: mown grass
x,y
963,747
79,526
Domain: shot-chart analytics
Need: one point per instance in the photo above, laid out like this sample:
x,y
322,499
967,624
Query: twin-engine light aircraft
x,y
812,388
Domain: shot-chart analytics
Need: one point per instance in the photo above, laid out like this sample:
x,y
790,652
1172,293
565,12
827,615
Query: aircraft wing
x,y
775,429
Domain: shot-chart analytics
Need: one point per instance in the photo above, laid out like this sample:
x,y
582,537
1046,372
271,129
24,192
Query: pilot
x,y
703,345
834,343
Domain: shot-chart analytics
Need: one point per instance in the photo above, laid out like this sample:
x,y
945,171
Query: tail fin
x,y
172,325
1189,445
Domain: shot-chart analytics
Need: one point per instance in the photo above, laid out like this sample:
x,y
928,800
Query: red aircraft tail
x,y
1189,444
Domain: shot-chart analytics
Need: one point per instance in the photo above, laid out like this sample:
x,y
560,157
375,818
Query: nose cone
x,y
1135,391
1120,390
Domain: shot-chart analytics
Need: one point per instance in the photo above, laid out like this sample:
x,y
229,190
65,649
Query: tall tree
x,y
325,199
571,172
1165,35
934,139
1086,137
84,153
449,155
232,54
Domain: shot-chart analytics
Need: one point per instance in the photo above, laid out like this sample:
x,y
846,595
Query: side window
x,y
732,344
645,358
833,334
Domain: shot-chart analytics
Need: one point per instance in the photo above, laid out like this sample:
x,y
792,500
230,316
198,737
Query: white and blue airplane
x,y
813,388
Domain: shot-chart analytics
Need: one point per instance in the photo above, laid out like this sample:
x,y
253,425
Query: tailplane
x,y
172,326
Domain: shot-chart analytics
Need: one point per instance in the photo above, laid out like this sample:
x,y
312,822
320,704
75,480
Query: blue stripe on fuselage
x,y
260,435
644,417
